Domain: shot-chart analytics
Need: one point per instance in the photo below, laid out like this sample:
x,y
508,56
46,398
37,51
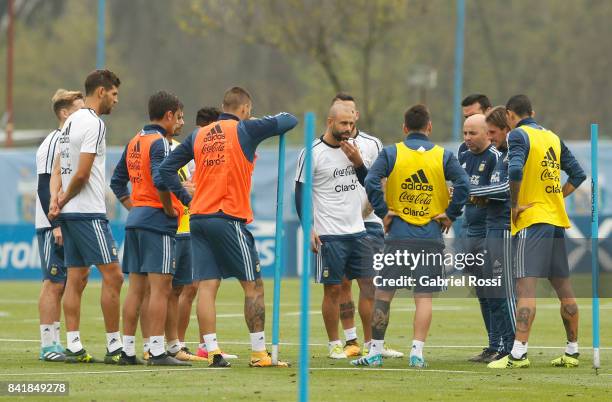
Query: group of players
x,y
189,205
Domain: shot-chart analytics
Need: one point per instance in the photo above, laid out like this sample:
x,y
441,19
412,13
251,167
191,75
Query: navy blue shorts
x,y
376,236
184,273
541,252
223,248
88,242
343,257
51,256
427,276
148,252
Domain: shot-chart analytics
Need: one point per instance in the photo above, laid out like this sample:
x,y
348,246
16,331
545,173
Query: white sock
x,y
331,344
129,345
350,334
157,345
366,345
174,346
376,347
74,341
145,345
571,348
202,346
56,333
46,335
113,341
518,349
258,341
417,348
181,344
211,342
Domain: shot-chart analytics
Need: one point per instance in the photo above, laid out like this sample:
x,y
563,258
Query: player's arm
x,y
166,175
158,151
381,168
575,173
252,132
454,173
55,187
79,180
518,149
119,182
499,191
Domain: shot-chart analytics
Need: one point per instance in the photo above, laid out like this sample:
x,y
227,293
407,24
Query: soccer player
x,y
49,237
496,195
77,191
222,246
339,236
369,148
416,211
149,255
479,160
539,220
471,105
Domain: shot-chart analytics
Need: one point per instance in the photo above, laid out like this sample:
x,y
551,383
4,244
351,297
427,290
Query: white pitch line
x,y
414,370
111,371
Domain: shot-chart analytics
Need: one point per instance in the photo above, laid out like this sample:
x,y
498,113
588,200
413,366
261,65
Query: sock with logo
x,y
56,333
46,335
74,341
376,347
211,342
571,348
518,349
145,345
366,345
202,346
129,345
258,341
350,334
113,341
157,345
174,346
417,348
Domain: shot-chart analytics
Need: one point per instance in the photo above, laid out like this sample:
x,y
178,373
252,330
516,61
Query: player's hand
x,y
444,221
479,201
516,211
189,186
315,242
352,153
54,210
451,189
171,212
57,234
387,220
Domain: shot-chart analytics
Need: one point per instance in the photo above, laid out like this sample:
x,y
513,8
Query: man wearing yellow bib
x,y
538,223
415,211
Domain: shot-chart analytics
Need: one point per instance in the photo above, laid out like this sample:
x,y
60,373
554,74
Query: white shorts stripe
x,y
244,252
101,241
47,249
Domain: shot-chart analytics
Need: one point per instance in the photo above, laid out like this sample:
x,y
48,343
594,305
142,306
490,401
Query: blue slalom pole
x,y
595,243
278,248
458,89
100,50
309,128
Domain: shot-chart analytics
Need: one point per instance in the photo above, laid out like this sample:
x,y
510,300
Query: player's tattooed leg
x,y
347,310
380,319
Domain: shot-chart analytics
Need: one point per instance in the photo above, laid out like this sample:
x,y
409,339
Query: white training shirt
x,y
369,147
44,165
84,132
336,199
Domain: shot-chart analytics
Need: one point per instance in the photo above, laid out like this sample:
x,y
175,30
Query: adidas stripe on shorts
x,y
88,242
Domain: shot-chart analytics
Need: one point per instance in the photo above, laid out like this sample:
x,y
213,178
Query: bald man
x,y
339,236
479,160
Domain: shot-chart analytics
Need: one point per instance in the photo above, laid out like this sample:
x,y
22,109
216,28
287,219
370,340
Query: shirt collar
x,y
228,116
415,135
525,121
153,128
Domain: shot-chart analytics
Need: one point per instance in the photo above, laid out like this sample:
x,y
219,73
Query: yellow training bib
x,y
541,185
416,187
183,173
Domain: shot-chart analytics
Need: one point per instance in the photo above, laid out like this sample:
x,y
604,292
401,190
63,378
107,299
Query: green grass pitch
x,y
456,334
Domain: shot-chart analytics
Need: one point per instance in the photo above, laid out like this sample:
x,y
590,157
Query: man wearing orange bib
x,y
222,246
538,223
150,230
